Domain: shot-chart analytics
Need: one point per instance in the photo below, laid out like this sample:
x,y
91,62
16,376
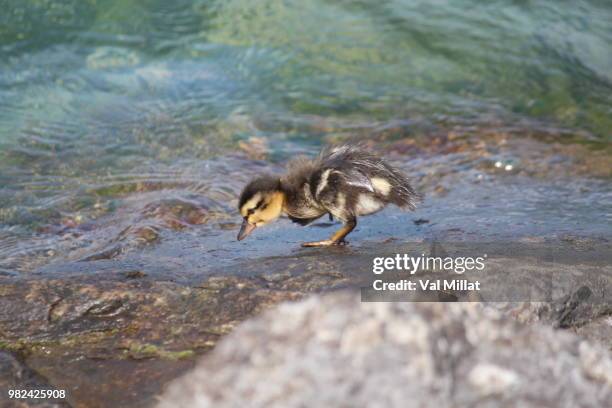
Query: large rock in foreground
x,y
336,351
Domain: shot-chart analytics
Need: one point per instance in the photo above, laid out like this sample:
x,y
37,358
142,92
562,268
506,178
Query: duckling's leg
x,y
337,238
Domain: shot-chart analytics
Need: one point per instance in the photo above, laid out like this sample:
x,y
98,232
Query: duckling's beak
x,y
245,230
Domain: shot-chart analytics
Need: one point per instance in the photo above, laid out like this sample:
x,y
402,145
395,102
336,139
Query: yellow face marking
x,y
270,210
249,205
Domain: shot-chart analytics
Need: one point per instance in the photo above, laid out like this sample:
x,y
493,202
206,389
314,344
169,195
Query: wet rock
x,y
114,341
255,148
582,307
586,311
336,351
116,337
275,276
107,253
146,234
177,213
136,274
582,243
579,307
597,330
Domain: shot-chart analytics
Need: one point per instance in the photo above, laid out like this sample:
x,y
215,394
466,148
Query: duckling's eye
x,y
257,207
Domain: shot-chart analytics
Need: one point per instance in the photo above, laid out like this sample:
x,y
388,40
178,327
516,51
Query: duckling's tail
x,y
402,193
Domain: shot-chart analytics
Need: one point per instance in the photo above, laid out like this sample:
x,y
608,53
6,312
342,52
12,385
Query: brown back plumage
x,y
355,161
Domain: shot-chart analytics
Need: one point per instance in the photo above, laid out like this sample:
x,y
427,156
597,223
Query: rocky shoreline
x,y
118,338
113,322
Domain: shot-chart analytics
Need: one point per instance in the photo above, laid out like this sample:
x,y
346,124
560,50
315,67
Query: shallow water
x,y
185,229
120,122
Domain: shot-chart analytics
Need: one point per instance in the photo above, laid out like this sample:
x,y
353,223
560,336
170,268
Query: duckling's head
x,y
261,201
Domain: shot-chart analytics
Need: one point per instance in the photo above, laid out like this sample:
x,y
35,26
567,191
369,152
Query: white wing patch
x,y
381,185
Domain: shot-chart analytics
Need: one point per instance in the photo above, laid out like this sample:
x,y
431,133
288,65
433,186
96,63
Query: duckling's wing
x,y
356,178
370,172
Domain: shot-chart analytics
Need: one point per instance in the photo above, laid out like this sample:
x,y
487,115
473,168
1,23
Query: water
x,y
107,107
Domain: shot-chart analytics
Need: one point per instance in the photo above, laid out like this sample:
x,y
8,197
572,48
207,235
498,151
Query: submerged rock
x,y
335,351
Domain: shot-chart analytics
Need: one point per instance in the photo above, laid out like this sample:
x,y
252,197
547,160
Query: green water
x,y
109,77
99,96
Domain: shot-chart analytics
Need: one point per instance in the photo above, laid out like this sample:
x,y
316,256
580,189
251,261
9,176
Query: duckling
x,y
345,182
